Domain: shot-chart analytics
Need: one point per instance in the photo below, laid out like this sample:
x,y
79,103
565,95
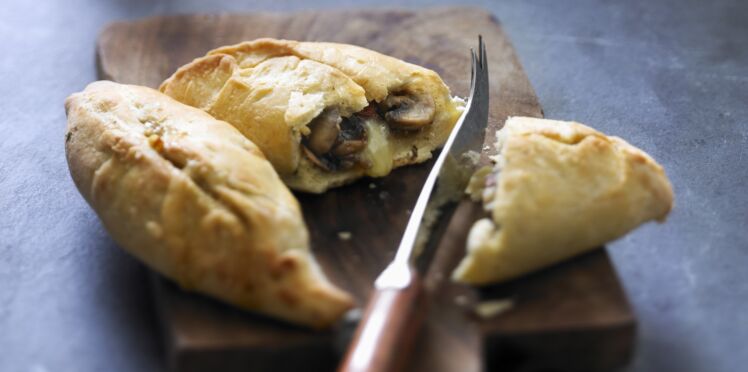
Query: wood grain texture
x,y
573,316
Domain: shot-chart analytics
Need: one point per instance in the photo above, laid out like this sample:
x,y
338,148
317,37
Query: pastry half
x,y
324,114
197,201
558,189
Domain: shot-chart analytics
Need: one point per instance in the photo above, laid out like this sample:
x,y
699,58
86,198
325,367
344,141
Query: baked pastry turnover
x,y
558,189
324,114
196,201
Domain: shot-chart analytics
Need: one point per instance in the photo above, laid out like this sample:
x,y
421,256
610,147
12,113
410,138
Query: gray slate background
x,y
669,76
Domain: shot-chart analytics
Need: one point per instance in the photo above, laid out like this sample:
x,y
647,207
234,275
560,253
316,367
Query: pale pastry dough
x,y
196,201
272,90
559,189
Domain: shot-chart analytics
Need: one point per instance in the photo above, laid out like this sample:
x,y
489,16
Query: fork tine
x,y
483,57
475,116
474,70
481,78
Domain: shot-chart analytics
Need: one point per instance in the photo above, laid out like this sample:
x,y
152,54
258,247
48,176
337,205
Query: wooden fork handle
x,y
387,330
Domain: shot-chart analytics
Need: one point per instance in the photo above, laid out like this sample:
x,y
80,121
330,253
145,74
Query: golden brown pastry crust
x,y
271,89
196,201
562,189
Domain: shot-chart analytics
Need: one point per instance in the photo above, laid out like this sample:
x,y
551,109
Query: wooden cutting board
x,y
573,316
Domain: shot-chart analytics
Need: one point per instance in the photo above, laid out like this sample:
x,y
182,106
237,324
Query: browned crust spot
x,y
283,266
288,298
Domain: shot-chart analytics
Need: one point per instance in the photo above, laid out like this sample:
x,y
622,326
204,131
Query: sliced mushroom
x,y
352,128
351,161
409,111
324,130
352,138
347,163
342,152
320,162
348,147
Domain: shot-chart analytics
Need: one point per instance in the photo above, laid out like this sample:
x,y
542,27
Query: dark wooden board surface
x,y
573,316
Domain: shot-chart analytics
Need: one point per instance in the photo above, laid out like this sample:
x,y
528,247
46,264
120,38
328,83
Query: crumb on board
x,y
461,300
490,309
345,235
352,315
372,186
384,195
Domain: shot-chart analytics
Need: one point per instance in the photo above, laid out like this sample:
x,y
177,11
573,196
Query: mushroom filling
x,y
408,111
336,143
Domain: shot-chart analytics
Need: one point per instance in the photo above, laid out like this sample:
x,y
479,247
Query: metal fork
x,y
396,309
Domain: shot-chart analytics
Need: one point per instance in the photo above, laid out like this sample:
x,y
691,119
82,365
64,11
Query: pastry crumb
x,y
490,309
471,156
384,195
372,186
462,300
352,315
477,183
345,235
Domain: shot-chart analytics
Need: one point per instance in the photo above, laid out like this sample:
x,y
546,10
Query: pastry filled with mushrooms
x,y
196,201
324,114
558,189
